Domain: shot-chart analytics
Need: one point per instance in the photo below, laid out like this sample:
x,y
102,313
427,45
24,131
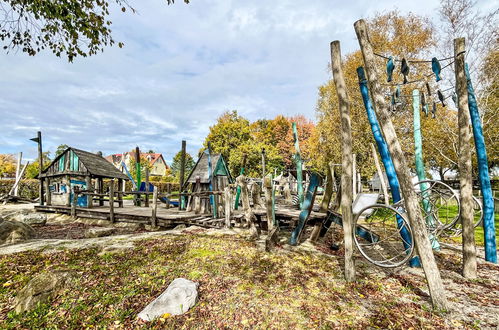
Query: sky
x,y
181,67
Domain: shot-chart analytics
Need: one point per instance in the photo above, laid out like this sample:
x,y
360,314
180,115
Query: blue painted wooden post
x,y
420,170
211,176
483,172
386,159
308,203
299,165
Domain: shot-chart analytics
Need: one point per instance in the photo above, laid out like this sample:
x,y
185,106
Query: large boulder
x,y
177,299
14,231
99,232
40,289
31,218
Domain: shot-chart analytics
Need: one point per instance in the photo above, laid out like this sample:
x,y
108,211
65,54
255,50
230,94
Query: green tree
x,y
175,168
60,149
68,28
32,169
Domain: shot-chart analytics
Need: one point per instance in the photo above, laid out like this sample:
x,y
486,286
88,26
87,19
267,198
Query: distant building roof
x,y
152,157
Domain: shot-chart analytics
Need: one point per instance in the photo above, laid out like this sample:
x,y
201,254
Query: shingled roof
x,y
201,168
93,164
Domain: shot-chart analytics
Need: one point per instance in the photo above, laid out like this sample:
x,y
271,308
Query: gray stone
x,y
14,231
28,217
178,227
177,299
98,232
40,289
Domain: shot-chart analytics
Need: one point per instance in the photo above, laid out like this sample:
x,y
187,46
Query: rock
x,y
28,217
14,231
128,225
98,232
179,227
177,299
40,289
151,228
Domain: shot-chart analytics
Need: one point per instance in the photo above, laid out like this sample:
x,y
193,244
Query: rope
x,y
422,61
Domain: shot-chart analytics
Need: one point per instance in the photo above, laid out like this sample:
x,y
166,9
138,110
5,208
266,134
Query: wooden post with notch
x,y
464,163
90,190
346,159
416,220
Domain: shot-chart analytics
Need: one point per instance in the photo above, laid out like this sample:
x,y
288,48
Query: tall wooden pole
x,y
182,175
422,241
464,163
346,159
137,173
40,165
354,176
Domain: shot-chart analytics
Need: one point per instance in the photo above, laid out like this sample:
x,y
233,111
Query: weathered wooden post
x,y
228,206
354,176
267,184
68,189
154,221
18,172
464,163
90,197
182,174
422,241
38,139
299,165
489,231
121,188
346,159
100,190
255,194
73,204
211,176
146,202
329,188
238,189
48,193
197,198
138,174
263,164
111,200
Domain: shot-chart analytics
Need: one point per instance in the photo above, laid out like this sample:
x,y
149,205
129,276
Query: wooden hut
x,y
199,179
76,169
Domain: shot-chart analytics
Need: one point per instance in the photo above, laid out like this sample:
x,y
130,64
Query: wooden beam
x,y
464,163
422,241
121,189
18,172
48,193
346,159
380,175
228,206
40,165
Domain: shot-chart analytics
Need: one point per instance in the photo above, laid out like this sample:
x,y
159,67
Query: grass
x,y
240,287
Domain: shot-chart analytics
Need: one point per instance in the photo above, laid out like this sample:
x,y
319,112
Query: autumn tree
x,y
392,34
60,149
7,165
32,169
66,27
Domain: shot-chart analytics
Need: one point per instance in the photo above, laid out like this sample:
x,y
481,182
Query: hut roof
x,y
94,164
201,169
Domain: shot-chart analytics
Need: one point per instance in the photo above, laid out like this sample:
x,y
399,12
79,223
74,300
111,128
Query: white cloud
x,y
181,67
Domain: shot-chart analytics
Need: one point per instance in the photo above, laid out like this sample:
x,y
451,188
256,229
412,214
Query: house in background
x,y
156,161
